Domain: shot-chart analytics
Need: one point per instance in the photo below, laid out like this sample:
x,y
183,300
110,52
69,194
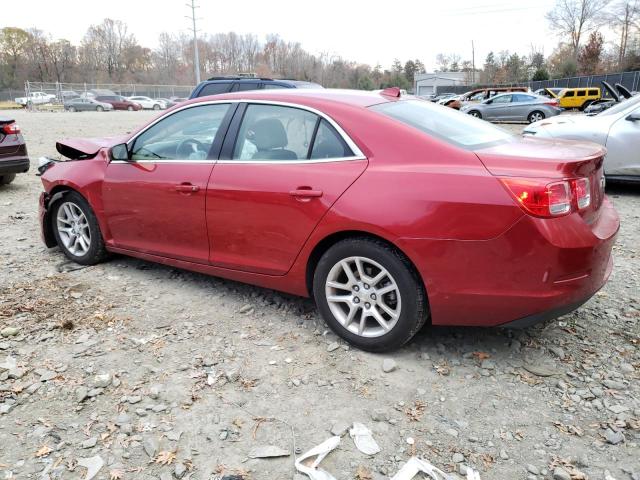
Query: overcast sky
x,y
364,31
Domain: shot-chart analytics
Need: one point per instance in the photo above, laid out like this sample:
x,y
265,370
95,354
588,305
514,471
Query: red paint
x,y
483,259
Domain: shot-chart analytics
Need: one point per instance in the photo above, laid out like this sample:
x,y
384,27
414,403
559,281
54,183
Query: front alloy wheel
x,y
76,229
73,228
369,294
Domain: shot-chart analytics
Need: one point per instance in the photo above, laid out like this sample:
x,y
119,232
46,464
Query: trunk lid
x,y
85,148
551,159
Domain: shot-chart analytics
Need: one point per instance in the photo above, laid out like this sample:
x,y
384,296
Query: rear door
x,y
521,106
280,170
155,202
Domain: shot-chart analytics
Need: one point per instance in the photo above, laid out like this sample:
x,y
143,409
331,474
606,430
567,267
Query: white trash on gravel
x,y
92,464
363,439
311,468
416,465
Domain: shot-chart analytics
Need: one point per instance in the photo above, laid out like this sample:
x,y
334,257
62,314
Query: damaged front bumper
x,y
46,232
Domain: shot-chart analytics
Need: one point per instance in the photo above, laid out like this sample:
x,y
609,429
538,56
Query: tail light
x,y
545,199
582,191
553,103
10,129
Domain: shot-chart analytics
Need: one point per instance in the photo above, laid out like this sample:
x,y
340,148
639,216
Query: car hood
x,y
84,148
540,157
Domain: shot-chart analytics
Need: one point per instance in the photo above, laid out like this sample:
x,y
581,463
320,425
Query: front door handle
x,y
305,193
187,188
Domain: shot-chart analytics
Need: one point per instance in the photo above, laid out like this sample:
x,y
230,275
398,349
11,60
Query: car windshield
x,y
621,107
446,124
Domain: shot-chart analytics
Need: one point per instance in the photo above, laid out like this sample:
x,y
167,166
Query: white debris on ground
x,y
132,370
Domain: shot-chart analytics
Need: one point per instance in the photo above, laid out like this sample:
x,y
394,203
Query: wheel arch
x,y
56,193
328,241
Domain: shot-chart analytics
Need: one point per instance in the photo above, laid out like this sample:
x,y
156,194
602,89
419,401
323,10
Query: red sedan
x,y
388,211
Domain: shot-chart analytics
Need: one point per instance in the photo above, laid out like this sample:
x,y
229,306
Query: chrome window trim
x,y
357,153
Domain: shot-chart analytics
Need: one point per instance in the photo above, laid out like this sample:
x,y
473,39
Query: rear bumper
x,y
14,165
538,269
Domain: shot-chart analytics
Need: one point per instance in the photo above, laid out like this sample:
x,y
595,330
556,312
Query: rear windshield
x,y
445,123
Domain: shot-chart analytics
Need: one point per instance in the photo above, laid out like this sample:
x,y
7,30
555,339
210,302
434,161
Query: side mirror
x,y
120,152
633,117
488,102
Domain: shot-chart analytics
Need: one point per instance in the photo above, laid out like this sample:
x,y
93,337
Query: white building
x,y
437,82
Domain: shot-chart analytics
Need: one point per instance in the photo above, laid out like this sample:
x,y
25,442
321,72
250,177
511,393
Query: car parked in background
x,y
87,104
360,200
514,107
35,98
147,103
66,95
620,93
218,85
478,95
119,102
167,102
13,151
579,98
617,129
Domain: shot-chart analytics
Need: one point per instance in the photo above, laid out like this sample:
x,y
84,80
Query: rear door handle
x,y
187,188
305,193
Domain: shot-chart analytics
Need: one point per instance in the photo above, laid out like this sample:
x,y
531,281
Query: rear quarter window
x,y
593,92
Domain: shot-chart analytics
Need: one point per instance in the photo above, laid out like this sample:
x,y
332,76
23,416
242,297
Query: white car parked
x,y
148,103
35,98
618,129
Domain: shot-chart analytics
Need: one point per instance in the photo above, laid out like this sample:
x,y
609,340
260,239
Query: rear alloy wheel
x,y
99,108
76,230
475,113
369,294
535,116
7,179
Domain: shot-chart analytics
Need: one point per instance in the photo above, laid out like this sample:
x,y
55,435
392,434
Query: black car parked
x,y
218,85
13,151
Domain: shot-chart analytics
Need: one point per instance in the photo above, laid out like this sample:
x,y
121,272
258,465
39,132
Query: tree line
x,y
110,53
581,26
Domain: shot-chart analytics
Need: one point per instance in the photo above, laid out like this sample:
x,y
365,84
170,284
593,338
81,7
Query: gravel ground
x,y
154,372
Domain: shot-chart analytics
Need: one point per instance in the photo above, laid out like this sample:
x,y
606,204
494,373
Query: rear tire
x,y
7,179
536,116
76,230
475,113
369,294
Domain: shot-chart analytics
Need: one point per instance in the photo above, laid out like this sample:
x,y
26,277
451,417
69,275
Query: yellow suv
x,y
578,97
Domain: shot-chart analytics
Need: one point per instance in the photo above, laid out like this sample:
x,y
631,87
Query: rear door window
x,y
215,89
593,92
245,86
582,93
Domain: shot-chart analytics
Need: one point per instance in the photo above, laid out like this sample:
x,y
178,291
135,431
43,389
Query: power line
x,y
196,57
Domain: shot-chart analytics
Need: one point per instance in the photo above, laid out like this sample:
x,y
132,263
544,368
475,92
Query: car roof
x,y
309,97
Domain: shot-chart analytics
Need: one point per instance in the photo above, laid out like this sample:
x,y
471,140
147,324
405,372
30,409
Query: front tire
x,y
156,107
76,230
475,113
369,294
535,116
7,179
99,108
130,108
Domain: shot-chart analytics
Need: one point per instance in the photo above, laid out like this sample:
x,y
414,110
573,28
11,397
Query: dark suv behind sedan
x,y
218,85
13,151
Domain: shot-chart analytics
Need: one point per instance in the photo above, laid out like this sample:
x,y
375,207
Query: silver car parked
x,y
514,107
86,104
617,128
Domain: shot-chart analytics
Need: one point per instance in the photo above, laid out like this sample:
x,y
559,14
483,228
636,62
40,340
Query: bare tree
x,y
623,17
576,18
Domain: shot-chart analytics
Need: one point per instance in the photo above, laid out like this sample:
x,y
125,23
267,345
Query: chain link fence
x,y
58,92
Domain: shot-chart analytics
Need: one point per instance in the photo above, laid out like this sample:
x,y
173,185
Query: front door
x,y
275,180
498,107
155,202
